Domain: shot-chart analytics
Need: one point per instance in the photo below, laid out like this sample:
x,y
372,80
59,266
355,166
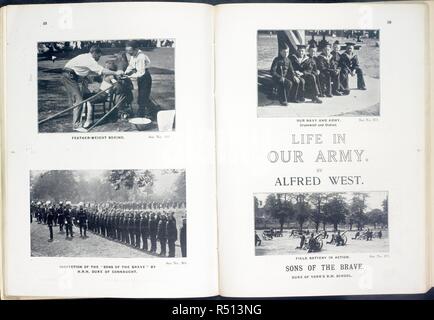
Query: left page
x,y
109,151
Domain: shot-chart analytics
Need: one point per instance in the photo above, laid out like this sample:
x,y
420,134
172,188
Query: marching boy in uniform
x,y
50,219
82,219
68,220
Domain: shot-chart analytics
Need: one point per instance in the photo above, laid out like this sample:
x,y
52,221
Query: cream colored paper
x,y
394,144
189,147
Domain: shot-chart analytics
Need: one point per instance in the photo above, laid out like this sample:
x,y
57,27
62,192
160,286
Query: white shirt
x,y
139,62
83,64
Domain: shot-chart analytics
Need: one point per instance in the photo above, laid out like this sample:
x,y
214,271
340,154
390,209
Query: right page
x,y
321,149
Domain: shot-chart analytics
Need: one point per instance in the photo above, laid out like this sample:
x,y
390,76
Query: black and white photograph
x,y
106,86
321,222
318,73
108,213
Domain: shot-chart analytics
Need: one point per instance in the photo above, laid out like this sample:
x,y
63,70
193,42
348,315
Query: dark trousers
x,y
153,243
131,236
144,84
50,227
183,249
68,228
283,88
127,237
163,242
145,241
137,244
297,92
344,78
83,229
171,244
329,82
311,86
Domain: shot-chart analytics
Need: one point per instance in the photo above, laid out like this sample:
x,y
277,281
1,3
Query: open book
x,y
293,140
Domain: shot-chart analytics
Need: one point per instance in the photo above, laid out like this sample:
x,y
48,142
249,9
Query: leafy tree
x,y
128,179
375,217
357,209
317,215
302,209
55,185
278,208
256,205
385,205
336,210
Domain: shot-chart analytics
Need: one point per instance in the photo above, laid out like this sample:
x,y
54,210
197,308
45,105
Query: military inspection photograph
x,y
108,213
106,86
318,73
321,222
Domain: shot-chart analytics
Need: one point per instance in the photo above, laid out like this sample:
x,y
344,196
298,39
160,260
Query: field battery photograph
x,y
321,222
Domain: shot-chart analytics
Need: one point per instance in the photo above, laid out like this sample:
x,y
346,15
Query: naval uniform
x,y
329,74
307,66
348,64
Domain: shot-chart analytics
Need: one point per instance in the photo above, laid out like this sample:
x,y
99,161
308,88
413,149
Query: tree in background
x,y
357,209
278,208
109,185
256,205
375,217
385,205
55,185
302,209
317,199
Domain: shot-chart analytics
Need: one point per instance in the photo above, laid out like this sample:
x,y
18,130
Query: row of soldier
x,y
307,74
127,223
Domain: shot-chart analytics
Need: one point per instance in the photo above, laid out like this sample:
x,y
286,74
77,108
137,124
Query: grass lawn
x,y
286,245
92,246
